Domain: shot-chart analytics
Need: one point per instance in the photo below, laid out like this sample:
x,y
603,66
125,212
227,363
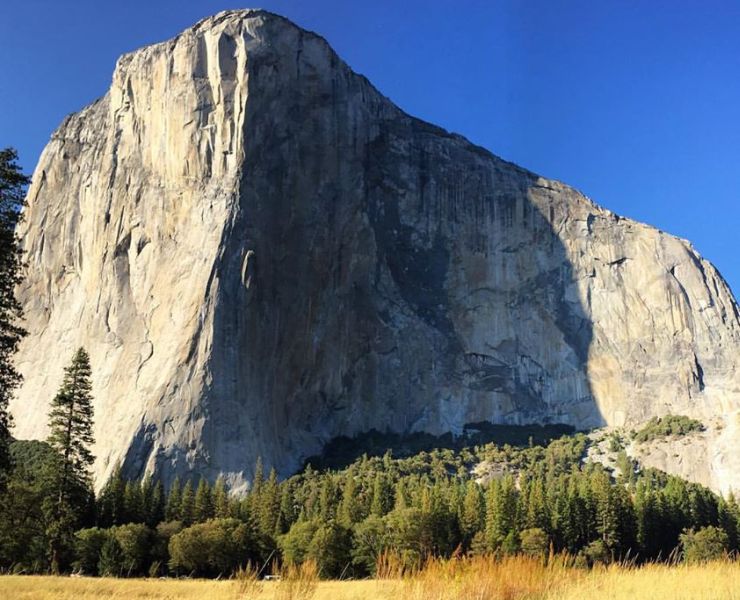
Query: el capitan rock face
x,y
261,252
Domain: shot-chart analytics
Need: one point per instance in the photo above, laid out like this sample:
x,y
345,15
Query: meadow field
x,y
516,578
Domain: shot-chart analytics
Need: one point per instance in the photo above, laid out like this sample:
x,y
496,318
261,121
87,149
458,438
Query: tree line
x,y
540,499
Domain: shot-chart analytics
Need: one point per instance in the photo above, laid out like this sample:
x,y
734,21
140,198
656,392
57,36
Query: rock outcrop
x,y
261,252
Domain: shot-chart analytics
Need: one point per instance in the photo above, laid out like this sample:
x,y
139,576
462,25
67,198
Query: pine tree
x,y
615,519
12,189
472,511
584,515
382,501
133,501
111,507
221,506
311,497
288,514
269,507
560,515
146,490
401,496
537,515
111,557
203,504
155,510
255,490
728,520
349,509
327,500
242,510
648,521
187,504
501,508
438,524
174,501
71,435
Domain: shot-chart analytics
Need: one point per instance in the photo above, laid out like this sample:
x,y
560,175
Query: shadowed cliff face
x,y
380,273
261,252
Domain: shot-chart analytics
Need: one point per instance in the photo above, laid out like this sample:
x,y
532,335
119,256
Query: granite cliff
x,y
261,252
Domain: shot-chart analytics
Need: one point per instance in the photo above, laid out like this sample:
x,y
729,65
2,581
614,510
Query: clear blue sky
x,y
636,103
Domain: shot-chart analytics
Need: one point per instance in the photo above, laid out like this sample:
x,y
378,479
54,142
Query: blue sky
x,y
635,103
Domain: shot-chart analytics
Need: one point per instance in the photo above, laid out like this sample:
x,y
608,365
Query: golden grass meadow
x,y
481,578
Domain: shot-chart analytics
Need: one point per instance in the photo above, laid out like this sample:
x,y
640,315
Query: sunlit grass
x,y
481,578
714,581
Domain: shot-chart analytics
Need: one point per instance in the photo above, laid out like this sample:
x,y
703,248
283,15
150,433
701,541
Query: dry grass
x,y
714,581
481,578
298,582
248,581
21,587
512,578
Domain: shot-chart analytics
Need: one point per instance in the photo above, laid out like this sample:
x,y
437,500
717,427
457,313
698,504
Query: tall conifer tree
x,y
472,512
349,509
156,506
134,502
221,508
203,504
71,436
12,189
111,506
382,500
174,501
187,504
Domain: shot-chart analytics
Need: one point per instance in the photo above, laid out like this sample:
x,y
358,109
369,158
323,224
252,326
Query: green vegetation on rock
x,y
660,427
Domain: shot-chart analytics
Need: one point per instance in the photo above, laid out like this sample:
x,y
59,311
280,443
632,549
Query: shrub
x,y
597,552
705,544
294,544
658,427
615,443
479,546
216,547
111,557
162,536
124,551
370,540
510,544
534,542
88,546
329,548
135,540
405,529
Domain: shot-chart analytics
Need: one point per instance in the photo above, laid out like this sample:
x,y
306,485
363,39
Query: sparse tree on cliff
x,y
12,190
71,435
